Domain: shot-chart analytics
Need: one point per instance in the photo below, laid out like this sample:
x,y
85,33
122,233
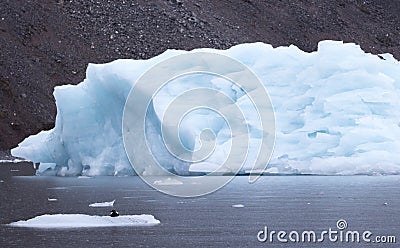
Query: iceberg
x,y
84,221
336,113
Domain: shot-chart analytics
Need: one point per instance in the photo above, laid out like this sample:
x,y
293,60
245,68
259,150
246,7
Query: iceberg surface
x,y
337,113
82,220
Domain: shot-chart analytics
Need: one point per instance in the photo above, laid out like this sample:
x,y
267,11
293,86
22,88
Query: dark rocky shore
x,y
50,42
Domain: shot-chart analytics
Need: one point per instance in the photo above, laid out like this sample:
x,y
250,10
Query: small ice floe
x,y
102,204
1,181
84,177
82,220
385,204
14,170
52,199
58,188
238,206
15,161
168,181
308,203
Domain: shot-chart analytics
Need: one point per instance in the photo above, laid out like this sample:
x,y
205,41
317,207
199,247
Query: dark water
x,y
282,203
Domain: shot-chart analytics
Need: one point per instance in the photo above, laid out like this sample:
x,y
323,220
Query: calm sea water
x,y
280,202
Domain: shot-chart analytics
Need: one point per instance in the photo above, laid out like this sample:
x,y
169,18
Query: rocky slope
x,y
47,43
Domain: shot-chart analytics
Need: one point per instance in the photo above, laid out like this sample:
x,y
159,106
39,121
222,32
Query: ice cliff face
x,y
337,111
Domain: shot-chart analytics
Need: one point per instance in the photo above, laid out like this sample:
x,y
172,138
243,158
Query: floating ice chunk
x,y
84,177
13,160
82,220
238,206
52,199
102,204
168,181
58,188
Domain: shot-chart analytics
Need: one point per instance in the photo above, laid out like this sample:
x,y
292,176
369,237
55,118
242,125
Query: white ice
x,y
84,177
82,220
102,204
238,206
15,161
337,113
167,181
